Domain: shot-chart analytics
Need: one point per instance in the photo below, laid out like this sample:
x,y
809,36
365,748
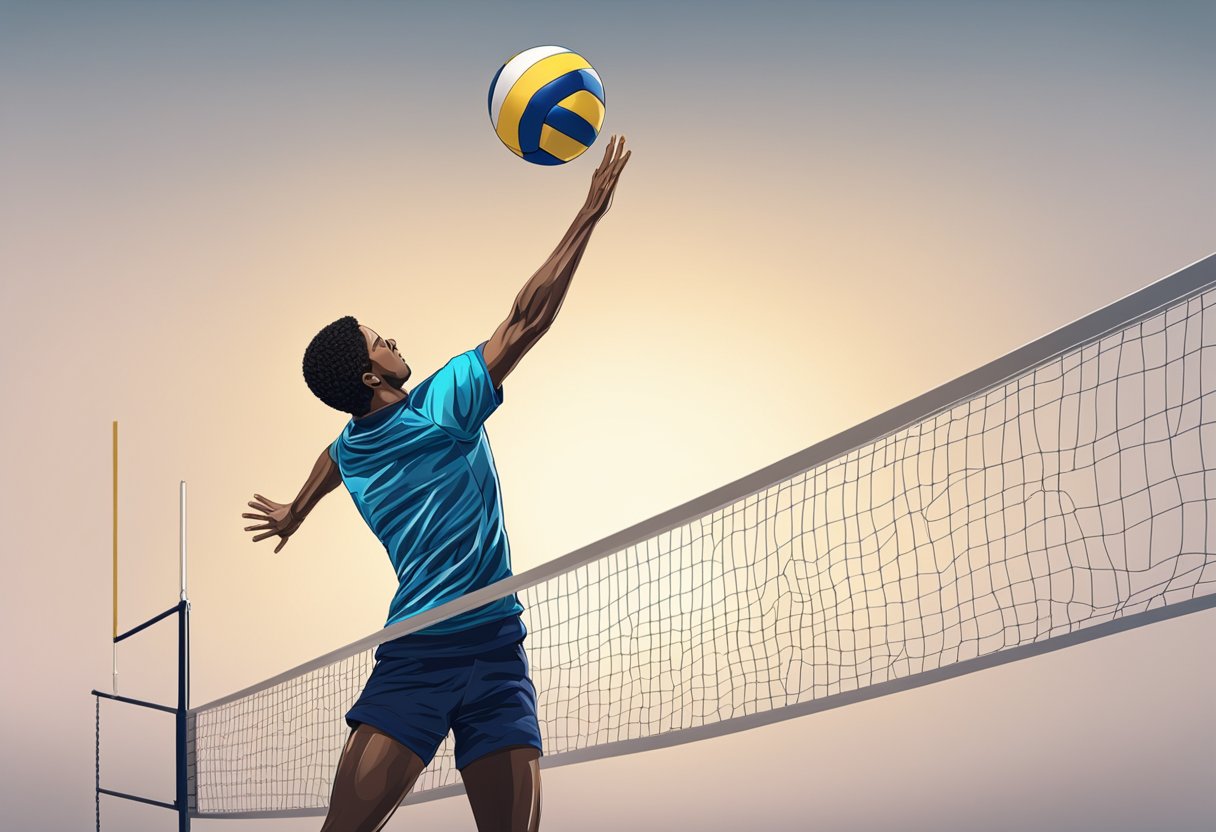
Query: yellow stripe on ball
x,y
557,143
585,104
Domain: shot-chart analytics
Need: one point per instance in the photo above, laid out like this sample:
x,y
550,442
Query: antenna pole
x,y
182,537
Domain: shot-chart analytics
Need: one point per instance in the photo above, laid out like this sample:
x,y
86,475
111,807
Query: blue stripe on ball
x,y
545,99
540,157
592,85
572,124
490,96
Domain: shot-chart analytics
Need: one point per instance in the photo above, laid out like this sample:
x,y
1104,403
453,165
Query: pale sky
x,y
832,207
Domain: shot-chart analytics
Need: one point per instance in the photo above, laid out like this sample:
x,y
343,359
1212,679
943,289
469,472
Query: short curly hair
x,y
334,364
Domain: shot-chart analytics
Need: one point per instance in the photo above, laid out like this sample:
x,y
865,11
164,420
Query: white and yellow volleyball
x,y
547,105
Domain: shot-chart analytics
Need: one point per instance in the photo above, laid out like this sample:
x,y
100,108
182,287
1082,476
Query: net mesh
x,y
1078,492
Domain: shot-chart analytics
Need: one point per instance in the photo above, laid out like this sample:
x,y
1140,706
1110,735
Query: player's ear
x,y
371,379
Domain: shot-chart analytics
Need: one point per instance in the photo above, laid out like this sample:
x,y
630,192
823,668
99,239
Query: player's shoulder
x,y
452,371
418,394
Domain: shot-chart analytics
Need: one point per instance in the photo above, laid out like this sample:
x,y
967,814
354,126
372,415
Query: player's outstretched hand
x,y
277,517
603,181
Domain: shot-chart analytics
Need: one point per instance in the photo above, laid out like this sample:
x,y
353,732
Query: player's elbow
x,y
529,324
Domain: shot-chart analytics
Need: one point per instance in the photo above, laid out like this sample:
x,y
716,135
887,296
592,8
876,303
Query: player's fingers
x,y
620,166
620,146
258,528
263,536
614,175
607,154
264,500
260,506
249,516
282,543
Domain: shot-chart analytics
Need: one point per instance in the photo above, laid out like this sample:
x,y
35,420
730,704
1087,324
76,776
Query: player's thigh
x,y
374,775
504,790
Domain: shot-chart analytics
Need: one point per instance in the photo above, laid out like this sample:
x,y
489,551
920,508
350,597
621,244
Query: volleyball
x,y
547,105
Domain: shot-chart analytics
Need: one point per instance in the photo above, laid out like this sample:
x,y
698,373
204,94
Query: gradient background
x,y
831,208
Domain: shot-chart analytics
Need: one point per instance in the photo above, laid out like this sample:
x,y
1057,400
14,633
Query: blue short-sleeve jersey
x,y
421,474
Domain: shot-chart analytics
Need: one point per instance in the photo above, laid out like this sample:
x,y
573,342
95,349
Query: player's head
x,y
346,363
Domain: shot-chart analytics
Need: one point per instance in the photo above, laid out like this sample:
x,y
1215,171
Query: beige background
x,y
831,209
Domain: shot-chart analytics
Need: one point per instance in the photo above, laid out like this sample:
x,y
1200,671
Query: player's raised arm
x,y
537,304
283,519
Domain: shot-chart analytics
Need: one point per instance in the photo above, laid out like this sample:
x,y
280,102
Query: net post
x,y
182,802
97,760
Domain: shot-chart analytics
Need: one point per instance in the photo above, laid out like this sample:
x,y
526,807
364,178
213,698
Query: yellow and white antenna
x,y
114,640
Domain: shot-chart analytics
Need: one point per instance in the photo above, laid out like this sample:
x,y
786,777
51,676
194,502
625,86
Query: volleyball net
x,y
1063,492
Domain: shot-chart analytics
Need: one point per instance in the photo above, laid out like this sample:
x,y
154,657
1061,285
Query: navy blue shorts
x,y
469,683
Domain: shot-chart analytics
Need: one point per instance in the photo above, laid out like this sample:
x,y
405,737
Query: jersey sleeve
x,y
461,396
333,449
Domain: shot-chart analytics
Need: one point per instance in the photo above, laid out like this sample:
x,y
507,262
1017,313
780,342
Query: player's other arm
x,y
283,519
537,304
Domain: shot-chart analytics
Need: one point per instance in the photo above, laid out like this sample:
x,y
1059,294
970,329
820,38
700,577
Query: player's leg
x,y
399,721
504,790
374,775
498,742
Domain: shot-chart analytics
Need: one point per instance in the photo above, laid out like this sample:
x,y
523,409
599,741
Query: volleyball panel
x,y
558,144
585,105
571,124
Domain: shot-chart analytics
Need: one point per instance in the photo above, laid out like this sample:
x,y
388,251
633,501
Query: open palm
x,y
277,520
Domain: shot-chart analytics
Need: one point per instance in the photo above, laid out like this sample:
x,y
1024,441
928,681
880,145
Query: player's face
x,y
387,363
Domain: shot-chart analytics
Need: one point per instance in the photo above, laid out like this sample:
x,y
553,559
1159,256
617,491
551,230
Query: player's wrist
x,y
591,212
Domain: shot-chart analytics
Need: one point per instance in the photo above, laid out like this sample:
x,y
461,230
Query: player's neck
x,y
384,398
